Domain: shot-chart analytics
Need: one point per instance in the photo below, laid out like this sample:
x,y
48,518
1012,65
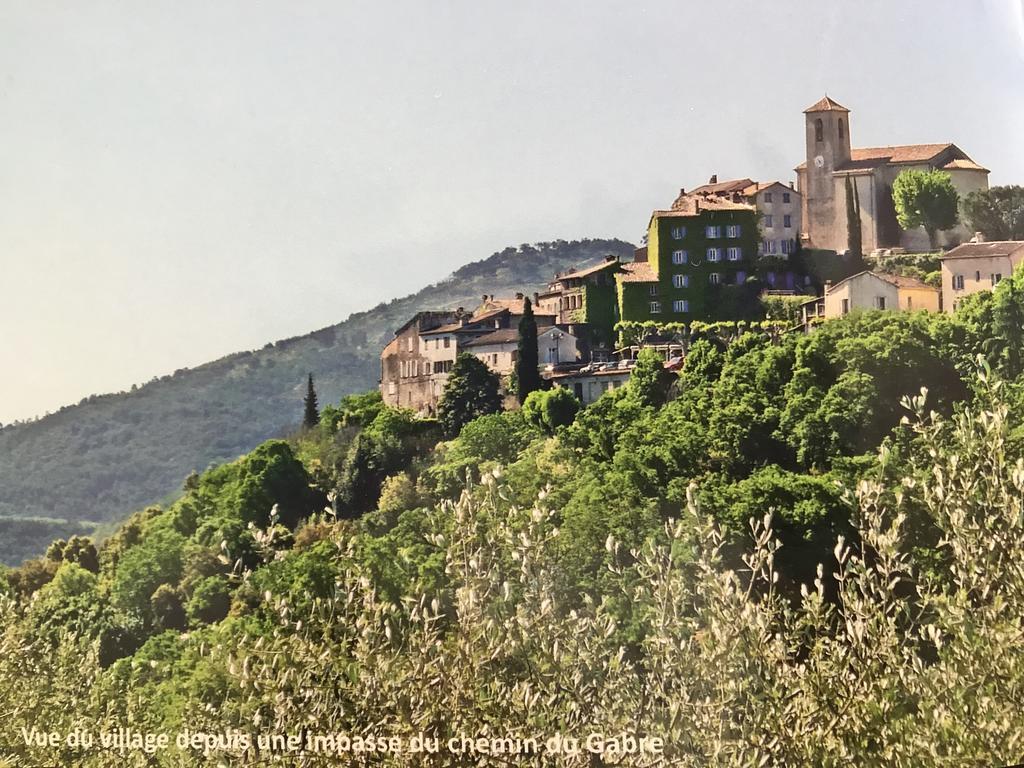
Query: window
x,y
842,129
681,305
655,307
494,359
996,278
653,290
734,254
785,197
770,246
769,221
392,387
787,246
681,281
678,233
447,342
846,302
767,197
713,231
714,254
879,302
819,130
977,276
741,277
787,221
733,230
412,340
715,278
958,282
680,257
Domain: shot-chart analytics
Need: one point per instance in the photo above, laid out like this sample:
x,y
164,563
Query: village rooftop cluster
x,y
715,254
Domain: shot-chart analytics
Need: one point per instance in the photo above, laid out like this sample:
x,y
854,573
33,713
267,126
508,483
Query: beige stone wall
x,y
777,208
860,292
918,298
977,276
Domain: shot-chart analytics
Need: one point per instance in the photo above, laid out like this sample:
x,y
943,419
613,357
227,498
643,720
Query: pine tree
x,y
311,414
527,375
854,237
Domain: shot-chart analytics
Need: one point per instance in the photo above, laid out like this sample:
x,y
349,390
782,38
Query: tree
x,y
527,375
649,381
168,612
854,236
1008,322
925,199
998,213
551,409
472,391
311,412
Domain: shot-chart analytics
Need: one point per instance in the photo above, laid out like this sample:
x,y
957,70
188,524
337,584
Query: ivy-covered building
x,y
585,302
701,257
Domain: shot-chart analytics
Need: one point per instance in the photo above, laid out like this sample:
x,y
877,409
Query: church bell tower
x,y
827,124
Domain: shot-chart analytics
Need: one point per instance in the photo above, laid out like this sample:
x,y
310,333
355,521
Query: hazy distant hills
x,y
109,455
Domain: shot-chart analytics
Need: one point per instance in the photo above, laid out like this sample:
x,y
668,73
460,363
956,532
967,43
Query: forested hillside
x,y
98,460
805,549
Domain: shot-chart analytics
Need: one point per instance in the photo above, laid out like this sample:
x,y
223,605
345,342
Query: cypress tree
x,y
527,375
311,414
854,241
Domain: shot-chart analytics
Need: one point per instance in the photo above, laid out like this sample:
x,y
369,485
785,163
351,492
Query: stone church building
x,y
822,181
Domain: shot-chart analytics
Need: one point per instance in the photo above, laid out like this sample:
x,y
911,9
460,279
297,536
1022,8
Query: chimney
x,y
682,191
979,237
828,286
484,297
611,257
536,298
519,296
792,185
713,179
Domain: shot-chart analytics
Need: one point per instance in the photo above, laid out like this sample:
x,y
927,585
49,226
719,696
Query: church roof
x,y
963,165
908,154
826,105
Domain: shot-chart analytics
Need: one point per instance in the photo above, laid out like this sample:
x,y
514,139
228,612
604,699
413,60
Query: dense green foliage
x,y
997,212
802,550
926,199
471,392
112,453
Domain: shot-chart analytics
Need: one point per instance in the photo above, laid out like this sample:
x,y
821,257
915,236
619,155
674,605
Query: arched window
x,y
819,130
842,129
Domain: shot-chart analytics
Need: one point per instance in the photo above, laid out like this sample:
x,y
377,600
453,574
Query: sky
x,y
184,179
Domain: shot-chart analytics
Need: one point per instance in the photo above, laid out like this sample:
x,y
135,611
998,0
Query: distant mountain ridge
x,y
112,454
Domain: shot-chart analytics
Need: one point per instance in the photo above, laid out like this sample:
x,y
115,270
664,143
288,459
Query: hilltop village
x,y
787,255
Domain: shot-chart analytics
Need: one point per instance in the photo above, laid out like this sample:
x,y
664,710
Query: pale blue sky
x,y
180,180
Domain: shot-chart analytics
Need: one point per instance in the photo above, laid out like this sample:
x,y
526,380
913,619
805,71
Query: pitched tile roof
x,y
721,187
986,250
963,164
500,336
637,272
905,281
601,265
826,104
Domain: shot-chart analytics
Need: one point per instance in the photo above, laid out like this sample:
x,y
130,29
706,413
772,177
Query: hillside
x,y
110,454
